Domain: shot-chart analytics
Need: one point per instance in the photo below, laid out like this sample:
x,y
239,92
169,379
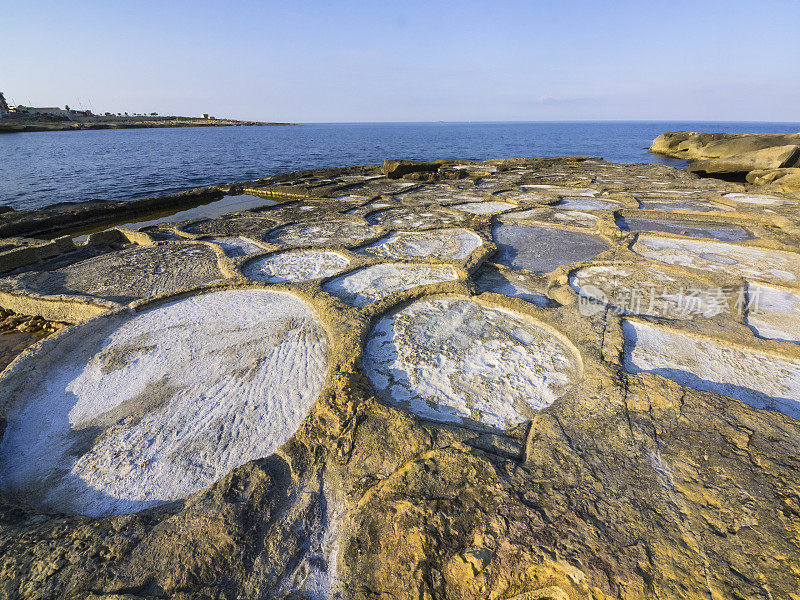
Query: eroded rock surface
x,y
121,276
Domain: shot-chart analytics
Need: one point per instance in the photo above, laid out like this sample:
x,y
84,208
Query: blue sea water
x,y
43,168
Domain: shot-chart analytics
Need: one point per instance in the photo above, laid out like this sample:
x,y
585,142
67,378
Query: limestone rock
x,y
787,179
774,157
395,169
690,145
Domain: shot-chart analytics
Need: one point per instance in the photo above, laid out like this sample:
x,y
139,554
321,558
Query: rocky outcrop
x,y
780,179
766,159
395,169
735,155
691,145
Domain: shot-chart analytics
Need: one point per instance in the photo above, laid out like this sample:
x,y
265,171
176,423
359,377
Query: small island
x,y
18,119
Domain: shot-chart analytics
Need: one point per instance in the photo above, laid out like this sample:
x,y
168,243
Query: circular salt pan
x,y
456,360
441,244
369,284
134,410
302,265
485,208
406,218
328,233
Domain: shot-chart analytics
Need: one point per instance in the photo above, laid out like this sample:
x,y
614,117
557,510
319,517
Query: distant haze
x,y
314,61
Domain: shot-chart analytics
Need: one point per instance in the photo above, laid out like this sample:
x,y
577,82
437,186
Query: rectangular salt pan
x,y
761,379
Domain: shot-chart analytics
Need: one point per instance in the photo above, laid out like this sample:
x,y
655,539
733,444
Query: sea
x,y
44,168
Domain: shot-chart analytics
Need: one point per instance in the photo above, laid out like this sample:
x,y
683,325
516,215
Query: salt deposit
x,y
774,312
484,208
134,410
302,265
441,244
759,378
369,284
236,245
456,360
720,257
327,233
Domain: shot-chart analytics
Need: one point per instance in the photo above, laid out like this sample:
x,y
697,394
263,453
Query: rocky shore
x,y
9,125
515,379
771,160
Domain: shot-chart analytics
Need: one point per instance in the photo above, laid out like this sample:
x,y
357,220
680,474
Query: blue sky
x,y
409,61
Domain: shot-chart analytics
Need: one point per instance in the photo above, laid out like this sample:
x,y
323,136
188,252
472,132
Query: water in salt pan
x,y
136,409
762,379
720,257
543,249
774,313
456,360
369,284
302,265
440,244
723,232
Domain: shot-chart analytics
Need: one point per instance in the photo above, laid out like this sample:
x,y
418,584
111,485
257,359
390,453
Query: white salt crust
x,y
587,204
135,410
759,378
720,257
774,313
369,284
645,291
456,360
440,244
761,199
484,208
302,265
328,233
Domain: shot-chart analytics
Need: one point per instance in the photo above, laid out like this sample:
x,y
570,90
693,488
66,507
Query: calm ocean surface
x,y
38,169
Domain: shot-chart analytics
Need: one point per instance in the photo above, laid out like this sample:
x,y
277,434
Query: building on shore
x,y
43,111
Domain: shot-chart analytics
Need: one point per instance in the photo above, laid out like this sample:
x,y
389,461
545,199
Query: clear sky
x,y
409,61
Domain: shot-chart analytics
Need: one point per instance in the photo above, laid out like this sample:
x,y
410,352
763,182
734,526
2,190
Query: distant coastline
x,y
16,125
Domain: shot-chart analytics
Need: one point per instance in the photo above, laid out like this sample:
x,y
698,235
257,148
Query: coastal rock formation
x,y
758,158
395,169
520,379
